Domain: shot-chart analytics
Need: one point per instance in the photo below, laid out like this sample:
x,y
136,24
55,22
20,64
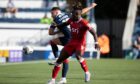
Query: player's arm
x,y
87,9
52,30
92,31
61,26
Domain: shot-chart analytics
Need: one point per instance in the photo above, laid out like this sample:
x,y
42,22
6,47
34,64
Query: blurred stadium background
x,y
118,19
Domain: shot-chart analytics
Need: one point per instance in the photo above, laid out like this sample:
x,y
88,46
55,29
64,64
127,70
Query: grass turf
x,y
104,71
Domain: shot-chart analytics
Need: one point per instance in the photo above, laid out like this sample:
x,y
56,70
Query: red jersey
x,y
78,36
78,30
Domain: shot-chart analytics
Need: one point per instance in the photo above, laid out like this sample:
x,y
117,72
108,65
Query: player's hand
x,y
93,5
53,25
97,47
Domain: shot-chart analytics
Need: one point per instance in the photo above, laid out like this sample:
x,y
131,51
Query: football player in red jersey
x,y
77,43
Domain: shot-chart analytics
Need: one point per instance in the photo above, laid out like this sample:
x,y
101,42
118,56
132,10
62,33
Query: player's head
x,y
55,11
76,12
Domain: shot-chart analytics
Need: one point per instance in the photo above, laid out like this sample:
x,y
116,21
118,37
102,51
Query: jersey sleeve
x,y
69,21
87,25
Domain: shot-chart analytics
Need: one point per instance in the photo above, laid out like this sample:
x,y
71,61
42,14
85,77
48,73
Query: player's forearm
x,y
94,35
53,32
95,38
59,26
87,9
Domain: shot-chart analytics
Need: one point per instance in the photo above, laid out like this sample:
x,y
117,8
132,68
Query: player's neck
x,y
78,20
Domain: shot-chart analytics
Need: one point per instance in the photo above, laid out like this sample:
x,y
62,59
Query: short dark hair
x,y
55,8
77,6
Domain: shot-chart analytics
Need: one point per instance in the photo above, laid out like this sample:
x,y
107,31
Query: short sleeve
x,y
87,25
69,21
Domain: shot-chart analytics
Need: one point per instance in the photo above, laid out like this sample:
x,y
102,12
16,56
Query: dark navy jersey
x,y
61,18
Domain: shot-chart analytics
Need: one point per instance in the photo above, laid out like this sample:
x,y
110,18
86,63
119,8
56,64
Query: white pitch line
x,y
35,62
26,62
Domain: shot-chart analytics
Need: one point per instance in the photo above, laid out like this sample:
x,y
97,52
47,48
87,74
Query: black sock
x,y
54,49
65,69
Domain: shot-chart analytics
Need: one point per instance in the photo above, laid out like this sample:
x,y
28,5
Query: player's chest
x,y
77,27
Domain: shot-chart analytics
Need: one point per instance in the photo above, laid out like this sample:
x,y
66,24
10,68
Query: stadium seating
x,y
27,19
19,20
26,26
27,10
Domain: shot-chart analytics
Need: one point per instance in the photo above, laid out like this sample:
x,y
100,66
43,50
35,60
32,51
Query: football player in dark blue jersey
x,y
58,18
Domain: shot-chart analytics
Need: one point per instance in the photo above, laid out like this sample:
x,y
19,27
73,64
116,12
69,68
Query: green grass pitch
x,y
104,71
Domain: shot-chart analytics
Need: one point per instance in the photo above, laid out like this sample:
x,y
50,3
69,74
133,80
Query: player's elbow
x,y
92,31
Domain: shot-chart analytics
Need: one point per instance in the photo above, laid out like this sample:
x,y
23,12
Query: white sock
x,y
87,72
63,78
81,60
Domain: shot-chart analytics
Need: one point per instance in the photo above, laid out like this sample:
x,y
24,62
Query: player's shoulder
x,y
84,21
62,15
70,20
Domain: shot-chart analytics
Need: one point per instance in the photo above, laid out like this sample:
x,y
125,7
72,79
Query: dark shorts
x,y
64,40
